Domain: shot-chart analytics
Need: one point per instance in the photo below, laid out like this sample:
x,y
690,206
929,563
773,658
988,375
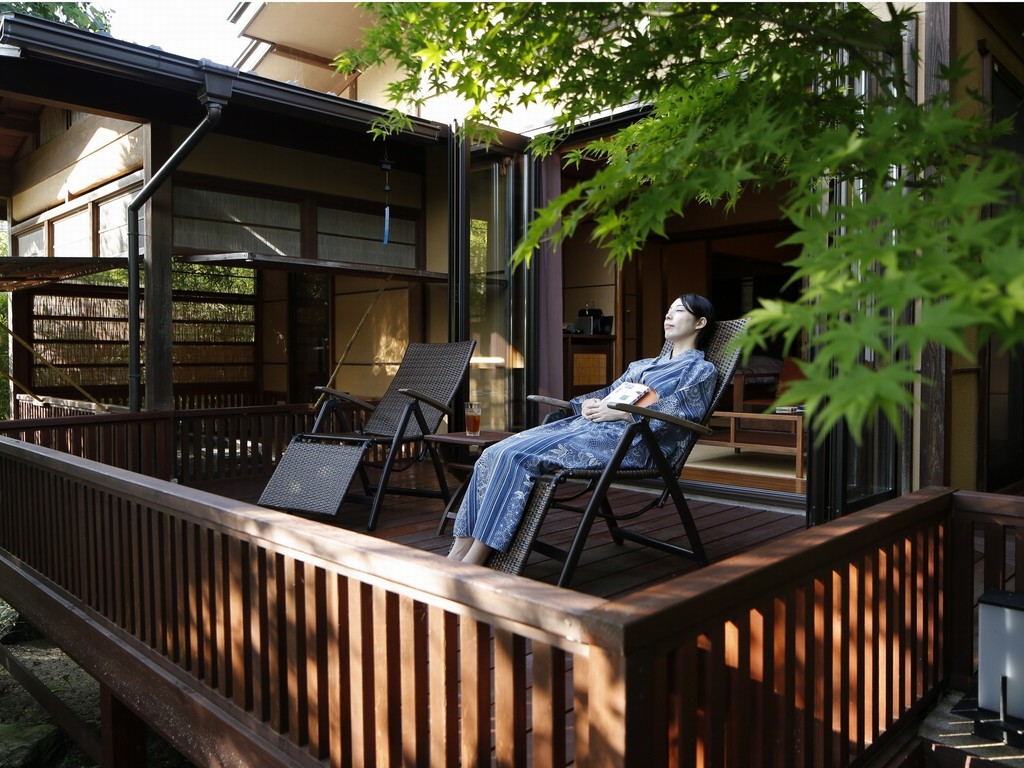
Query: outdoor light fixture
x,y
1000,714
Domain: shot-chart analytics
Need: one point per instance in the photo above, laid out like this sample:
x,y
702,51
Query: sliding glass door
x,y
496,293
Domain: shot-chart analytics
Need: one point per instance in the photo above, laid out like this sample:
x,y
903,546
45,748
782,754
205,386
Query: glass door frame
x,y
510,198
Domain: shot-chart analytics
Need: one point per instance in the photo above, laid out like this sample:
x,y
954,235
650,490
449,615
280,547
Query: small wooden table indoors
x,y
755,432
460,471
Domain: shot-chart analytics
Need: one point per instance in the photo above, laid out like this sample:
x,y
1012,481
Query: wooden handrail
x,y
197,447
749,578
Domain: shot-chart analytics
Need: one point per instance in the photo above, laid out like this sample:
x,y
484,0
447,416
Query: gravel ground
x,y
75,688
64,678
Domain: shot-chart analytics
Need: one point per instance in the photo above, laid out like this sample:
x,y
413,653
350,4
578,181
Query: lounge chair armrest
x,y
552,401
661,416
346,397
428,400
564,407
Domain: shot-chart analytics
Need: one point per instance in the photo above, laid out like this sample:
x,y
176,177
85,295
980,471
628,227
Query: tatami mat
x,y
744,462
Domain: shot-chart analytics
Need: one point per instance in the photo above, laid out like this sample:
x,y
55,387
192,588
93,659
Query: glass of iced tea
x,y
473,419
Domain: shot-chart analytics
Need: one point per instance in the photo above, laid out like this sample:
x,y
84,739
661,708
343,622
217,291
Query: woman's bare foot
x,y
478,553
460,547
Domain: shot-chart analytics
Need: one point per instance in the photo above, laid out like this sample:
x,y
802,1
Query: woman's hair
x,y
698,306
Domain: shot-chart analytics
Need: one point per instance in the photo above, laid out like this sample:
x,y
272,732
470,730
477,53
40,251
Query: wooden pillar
x,y
935,423
157,300
548,323
20,309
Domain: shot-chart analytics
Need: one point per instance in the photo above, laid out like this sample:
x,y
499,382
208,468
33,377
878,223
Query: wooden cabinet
x,y
588,362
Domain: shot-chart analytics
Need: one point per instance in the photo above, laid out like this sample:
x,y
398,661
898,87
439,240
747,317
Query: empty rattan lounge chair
x,y
597,482
314,475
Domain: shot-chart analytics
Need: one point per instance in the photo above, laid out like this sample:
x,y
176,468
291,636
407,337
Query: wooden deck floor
x,y
606,569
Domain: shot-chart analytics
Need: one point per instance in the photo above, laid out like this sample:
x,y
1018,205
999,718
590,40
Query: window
x,y
222,222
344,235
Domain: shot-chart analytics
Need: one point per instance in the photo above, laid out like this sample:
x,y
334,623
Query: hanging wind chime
x,y
385,165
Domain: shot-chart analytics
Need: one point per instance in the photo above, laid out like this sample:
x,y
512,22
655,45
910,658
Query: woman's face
x,y
681,324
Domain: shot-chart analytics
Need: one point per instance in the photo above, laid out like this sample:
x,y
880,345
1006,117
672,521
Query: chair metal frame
x,y
724,355
316,479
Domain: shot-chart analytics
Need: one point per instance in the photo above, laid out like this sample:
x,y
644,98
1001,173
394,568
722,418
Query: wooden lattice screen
x,y
83,333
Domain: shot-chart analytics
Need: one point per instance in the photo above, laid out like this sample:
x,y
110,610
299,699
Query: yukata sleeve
x,y
690,401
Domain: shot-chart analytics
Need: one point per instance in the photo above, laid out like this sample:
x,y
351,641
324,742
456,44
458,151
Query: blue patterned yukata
x,y
505,473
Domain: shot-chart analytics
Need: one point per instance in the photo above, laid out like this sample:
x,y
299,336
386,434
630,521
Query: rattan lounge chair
x,y
596,483
314,475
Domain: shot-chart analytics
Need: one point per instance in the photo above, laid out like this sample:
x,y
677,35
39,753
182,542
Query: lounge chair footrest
x,y
313,476
514,561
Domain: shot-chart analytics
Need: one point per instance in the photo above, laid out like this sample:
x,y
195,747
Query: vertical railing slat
x,y
338,672
361,651
236,639
294,684
862,606
387,656
510,706
220,594
548,705
475,666
121,546
258,629
754,701
168,595
277,649
1018,560
313,595
736,660
995,563
412,631
443,686
837,694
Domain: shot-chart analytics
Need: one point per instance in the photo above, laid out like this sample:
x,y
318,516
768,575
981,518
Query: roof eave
x,y
38,38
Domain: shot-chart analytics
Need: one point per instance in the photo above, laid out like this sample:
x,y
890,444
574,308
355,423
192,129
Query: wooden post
x,y
622,722
123,733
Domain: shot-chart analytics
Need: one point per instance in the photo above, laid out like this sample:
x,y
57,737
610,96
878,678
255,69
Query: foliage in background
x,y
8,618
82,15
888,196
198,278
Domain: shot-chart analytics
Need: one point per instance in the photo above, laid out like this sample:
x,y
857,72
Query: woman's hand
x,y
597,410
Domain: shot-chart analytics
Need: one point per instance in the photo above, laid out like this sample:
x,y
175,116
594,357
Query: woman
x,y
505,473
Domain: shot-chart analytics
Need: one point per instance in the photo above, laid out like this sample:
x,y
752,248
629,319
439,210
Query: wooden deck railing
x,y
242,634
194,447
225,443
989,554
185,398
140,442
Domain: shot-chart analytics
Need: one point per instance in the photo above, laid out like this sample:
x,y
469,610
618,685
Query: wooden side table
x,y
460,471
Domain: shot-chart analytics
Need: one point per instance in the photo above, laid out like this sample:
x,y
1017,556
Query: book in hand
x,y
789,409
631,393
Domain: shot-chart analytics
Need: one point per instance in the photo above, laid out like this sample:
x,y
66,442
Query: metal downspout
x,y
214,94
458,251
458,233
